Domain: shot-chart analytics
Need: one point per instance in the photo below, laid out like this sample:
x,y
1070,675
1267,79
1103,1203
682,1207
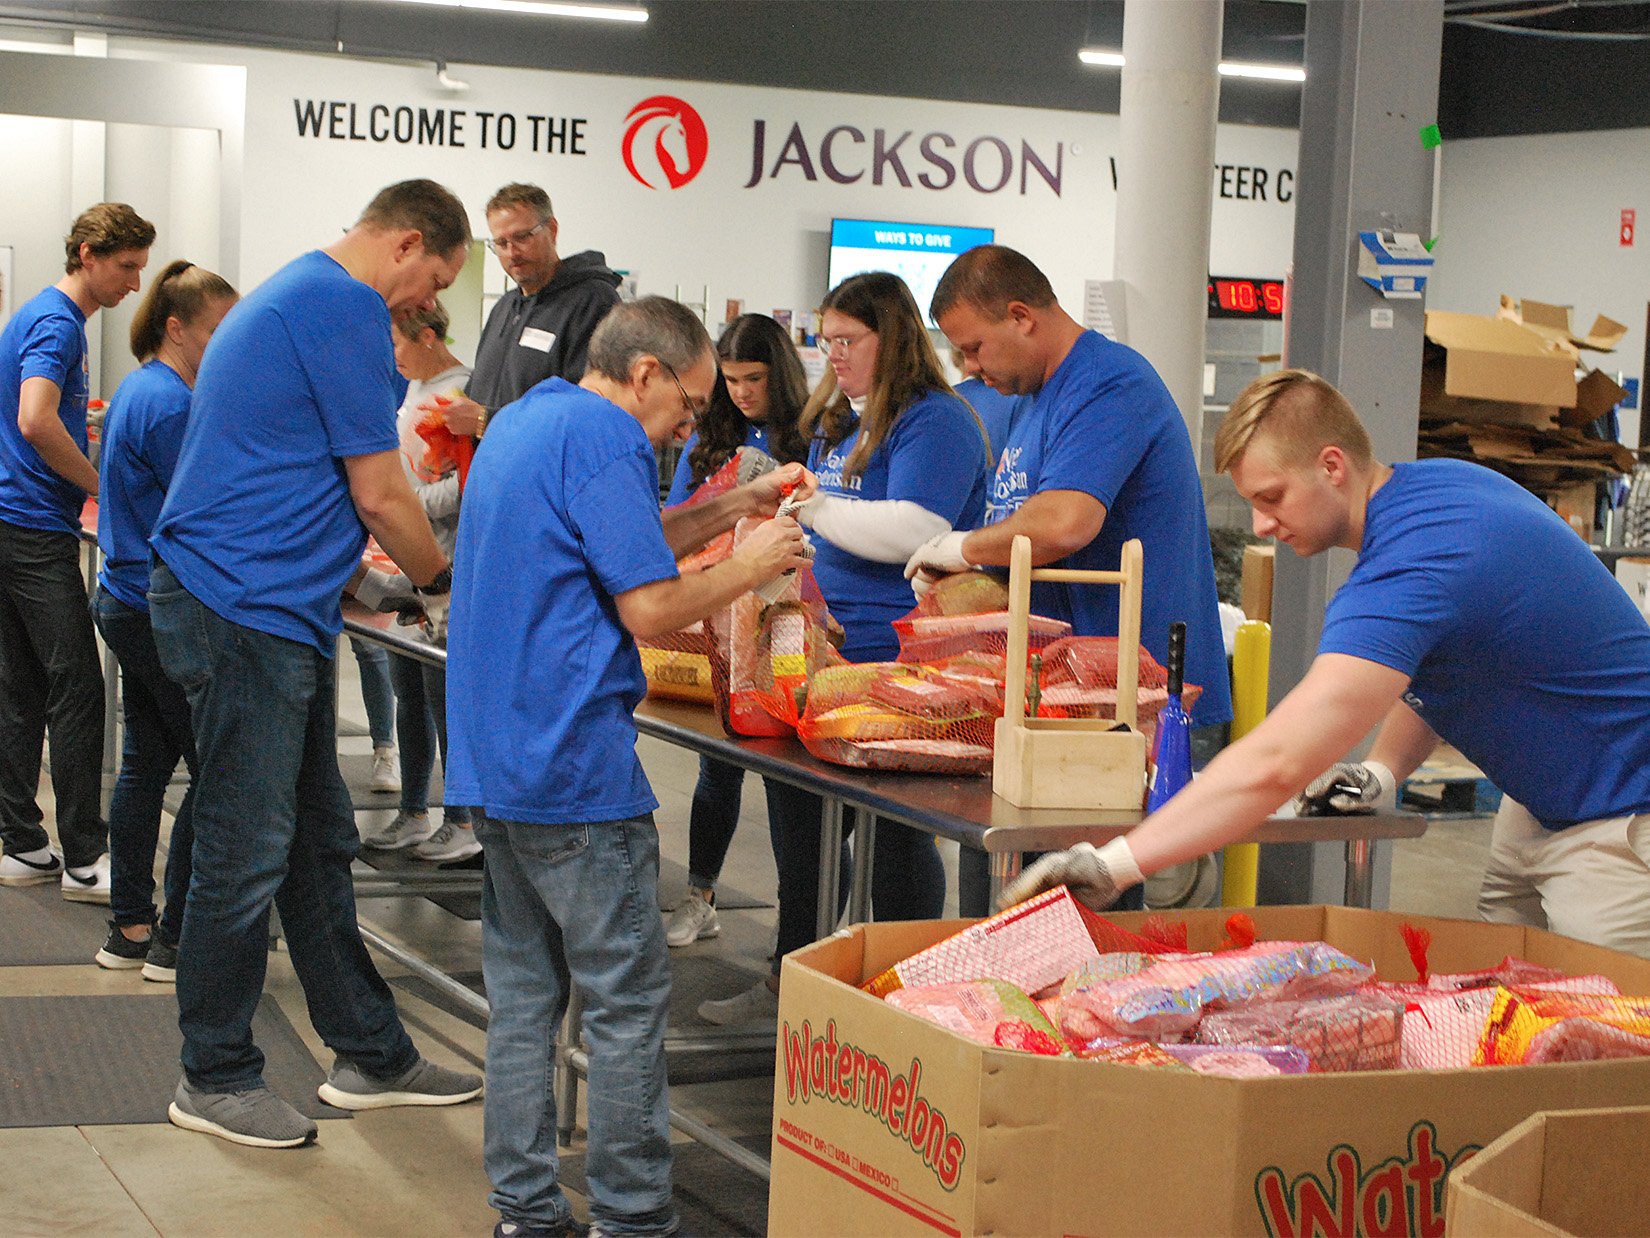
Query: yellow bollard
x,y
1251,671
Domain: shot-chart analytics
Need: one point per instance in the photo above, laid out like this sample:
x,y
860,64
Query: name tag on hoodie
x,y
532,337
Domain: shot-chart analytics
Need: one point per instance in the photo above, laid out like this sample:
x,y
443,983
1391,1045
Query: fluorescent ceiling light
x,y
543,8
1228,68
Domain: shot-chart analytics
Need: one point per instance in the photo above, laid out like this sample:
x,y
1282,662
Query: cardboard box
x,y
886,1124
1557,1173
1596,394
1255,594
1494,359
1552,322
1634,576
1578,504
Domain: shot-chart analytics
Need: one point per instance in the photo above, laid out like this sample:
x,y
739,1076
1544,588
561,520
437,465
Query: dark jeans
x,y
273,823
421,725
714,818
157,734
907,874
50,683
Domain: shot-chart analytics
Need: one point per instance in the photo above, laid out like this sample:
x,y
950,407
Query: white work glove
x,y
385,592
434,618
938,556
1347,788
1095,877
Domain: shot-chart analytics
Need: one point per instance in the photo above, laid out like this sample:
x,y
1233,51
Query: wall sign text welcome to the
x,y
341,121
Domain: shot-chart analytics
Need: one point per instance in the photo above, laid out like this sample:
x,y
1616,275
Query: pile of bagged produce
x,y
1051,977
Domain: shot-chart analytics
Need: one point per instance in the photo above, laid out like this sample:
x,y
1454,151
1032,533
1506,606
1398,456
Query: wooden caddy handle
x,y
1128,576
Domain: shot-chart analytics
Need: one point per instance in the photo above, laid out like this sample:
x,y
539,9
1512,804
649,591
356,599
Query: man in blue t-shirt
x,y
1474,615
289,459
562,561
50,677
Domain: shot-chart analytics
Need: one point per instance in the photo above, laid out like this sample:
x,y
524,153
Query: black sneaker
x,y
571,1228
161,963
120,953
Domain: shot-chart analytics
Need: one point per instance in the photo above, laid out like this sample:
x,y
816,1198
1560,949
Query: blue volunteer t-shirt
x,y
561,514
258,523
46,338
141,440
998,412
1521,648
681,485
934,455
1105,425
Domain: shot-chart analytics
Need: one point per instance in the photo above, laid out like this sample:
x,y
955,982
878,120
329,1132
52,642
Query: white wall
x,y
1539,217
34,208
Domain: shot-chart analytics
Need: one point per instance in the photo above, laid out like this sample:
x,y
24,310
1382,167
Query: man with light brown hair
x,y
50,676
541,328
1473,614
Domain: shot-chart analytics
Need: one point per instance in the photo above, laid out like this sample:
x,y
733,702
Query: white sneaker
x,y
450,842
386,769
88,884
31,868
757,1004
408,829
694,917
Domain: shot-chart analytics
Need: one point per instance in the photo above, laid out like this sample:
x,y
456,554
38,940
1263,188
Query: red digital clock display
x,y
1236,297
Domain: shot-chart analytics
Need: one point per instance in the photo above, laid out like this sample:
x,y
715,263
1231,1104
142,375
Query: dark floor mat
x,y
106,1061
464,904
40,928
712,1194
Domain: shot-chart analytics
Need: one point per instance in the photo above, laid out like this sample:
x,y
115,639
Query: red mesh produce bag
x,y
1357,1032
886,715
1079,680
1527,1026
1443,1026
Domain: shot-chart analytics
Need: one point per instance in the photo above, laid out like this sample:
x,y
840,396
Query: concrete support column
x,y
1165,183
1371,85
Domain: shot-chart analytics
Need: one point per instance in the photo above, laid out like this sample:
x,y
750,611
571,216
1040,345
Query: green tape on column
x,y
1430,137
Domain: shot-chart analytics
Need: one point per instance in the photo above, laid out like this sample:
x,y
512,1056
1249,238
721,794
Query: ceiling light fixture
x,y
542,8
1228,68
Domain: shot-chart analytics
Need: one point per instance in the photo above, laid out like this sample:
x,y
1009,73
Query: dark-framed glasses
x,y
515,239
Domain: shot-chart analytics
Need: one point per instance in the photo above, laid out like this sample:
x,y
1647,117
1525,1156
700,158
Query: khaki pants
x,y
1590,882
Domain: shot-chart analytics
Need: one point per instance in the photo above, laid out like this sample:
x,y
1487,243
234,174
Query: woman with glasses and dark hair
x,y
757,402
900,459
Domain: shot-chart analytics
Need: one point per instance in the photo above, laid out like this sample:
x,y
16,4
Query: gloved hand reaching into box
x,y
1096,876
1347,788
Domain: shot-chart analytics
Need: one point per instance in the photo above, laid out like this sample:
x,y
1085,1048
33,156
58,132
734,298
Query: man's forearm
x,y
687,529
1404,741
403,531
1058,522
670,605
62,456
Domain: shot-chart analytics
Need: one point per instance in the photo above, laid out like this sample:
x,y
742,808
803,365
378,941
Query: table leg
x,y
570,1041
1360,871
1005,866
865,842
830,847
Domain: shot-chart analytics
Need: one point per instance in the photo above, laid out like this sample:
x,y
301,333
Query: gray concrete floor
x,y
419,1171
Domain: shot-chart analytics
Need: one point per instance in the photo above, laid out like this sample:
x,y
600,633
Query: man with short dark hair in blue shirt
x,y
289,459
50,678
562,561
1473,614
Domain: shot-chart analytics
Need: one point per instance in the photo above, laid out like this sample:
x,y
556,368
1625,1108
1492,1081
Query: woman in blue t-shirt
x,y
900,459
757,402
141,440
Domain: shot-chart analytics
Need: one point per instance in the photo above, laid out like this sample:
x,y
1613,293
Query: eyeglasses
x,y
515,239
831,343
693,410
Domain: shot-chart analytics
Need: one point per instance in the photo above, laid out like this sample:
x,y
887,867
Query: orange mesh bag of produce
x,y
681,666
889,715
1078,679
1444,1025
1526,1026
444,451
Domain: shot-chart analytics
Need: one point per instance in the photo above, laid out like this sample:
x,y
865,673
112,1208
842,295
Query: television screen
x,y
917,253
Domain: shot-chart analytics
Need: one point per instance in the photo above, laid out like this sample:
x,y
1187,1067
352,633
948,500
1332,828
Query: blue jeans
x,y
51,681
714,818
421,724
157,734
273,823
377,693
561,905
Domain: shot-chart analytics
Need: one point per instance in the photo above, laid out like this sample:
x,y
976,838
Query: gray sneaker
x,y
408,829
257,1118
423,1083
161,963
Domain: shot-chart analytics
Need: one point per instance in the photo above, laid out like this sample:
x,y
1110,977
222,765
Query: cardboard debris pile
x,y
1504,391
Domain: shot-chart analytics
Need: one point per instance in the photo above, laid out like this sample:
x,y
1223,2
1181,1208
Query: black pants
x,y
50,683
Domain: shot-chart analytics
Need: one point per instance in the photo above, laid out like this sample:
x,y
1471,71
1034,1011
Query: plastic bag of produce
x,y
887,715
1526,1025
1356,1032
992,1012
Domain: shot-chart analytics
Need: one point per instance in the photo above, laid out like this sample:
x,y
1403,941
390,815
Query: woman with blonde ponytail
x,y
142,438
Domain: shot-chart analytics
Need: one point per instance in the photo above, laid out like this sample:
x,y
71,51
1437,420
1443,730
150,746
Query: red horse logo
x,y
664,142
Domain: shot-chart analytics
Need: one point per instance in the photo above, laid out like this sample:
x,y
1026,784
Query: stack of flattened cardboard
x,y
1503,391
